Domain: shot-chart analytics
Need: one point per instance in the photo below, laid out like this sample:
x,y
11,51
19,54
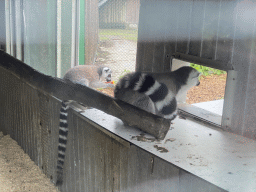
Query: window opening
x,y
205,101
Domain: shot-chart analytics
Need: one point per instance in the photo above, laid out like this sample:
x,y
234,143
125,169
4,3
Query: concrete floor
x,y
212,106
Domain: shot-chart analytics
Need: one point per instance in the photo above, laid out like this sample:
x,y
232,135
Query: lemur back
x,y
177,83
90,75
163,99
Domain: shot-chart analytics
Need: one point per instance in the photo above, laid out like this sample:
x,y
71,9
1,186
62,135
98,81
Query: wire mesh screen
x,y
118,31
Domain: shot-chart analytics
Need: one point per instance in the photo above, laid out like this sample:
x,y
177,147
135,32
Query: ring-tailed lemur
x,y
157,93
88,75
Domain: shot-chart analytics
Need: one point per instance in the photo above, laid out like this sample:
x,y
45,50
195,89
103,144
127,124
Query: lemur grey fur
x,y
157,93
88,75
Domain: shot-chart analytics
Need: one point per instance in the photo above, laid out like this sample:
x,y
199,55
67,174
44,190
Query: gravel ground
x,y
211,88
18,173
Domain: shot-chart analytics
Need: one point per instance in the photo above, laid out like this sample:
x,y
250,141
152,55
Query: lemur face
x,y
106,74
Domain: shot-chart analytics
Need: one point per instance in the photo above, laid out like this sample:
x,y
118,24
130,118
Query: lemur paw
x,y
171,116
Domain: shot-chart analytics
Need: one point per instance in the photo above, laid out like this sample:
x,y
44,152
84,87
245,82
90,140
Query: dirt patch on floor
x,y
18,172
211,88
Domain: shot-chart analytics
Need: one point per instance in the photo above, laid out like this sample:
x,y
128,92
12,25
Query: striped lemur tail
x,y
63,133
163,99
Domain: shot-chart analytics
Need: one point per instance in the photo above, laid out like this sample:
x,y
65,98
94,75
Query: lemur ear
x,y
99,71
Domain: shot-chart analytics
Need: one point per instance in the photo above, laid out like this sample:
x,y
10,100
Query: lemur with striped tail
x,y
63,133
157,93
87,75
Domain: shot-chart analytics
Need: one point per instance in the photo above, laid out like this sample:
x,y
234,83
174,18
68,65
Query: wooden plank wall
x,y
195,28
219,34
119,13
132,11
91,31
112,14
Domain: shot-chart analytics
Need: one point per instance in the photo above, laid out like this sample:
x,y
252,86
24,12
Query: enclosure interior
x,y
212,33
